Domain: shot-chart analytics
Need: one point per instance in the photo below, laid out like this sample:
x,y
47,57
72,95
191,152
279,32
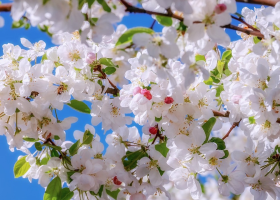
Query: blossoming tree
x,y
202,112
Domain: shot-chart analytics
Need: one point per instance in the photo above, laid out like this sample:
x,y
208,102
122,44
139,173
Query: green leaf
x,y
160,171
21,167
200,57
276,28
79,106
44,57
207,127
252,120
45,161
90,2
182,27
128,35
131,158
74,148
239,15
65,194
226,154
81,3
69,174
227,55
99,193
52,146
54,153
45,2
56,137
220,143
256,40
28,139
88,137
18,24
104,5
38,146
220,66
27,26
110,70
162,149
209,81
113,194
158,119
163,20
107,61
219,89
53,189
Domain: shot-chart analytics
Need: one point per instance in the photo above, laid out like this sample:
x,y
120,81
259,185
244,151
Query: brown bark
x,y
5,7
261,2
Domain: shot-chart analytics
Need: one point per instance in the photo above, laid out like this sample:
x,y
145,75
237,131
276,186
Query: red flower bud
x,y
116,181
168,100
153,130
220,8
146,93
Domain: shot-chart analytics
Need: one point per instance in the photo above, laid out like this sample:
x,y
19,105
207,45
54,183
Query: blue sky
x,y
21,189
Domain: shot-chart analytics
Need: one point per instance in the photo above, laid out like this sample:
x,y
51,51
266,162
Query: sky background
x,y
21,189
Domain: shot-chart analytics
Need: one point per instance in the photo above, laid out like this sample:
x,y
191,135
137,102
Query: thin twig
x,y
231,128
6,7
153,24
132,9
243,22
261,2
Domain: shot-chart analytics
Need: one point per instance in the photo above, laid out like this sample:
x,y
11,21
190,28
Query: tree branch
x,y
132,9
5,7
231,128
261,2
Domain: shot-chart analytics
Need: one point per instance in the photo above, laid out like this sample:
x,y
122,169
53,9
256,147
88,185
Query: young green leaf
x,y
28,139
131,158
165,21
219,89
54,153
65,194
226,154
252,120
209,81
104,5
110,70
74,148
220,66
88,137
256,40
45,161
162,149
107,61
90,2
158,119
200,57
38,146
53,189
18,24
21,167
113,194
207,127
79,106
220,143
128,35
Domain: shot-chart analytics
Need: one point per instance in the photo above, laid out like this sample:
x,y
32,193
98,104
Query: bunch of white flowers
x,y
204,114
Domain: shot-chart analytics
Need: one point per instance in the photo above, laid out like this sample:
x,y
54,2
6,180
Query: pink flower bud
x,y
235,98
168,100
138,196
146,93
220,8
153,130
136,90
91,57
116,181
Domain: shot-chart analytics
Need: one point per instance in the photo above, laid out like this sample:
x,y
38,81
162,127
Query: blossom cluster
x,y
185,96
